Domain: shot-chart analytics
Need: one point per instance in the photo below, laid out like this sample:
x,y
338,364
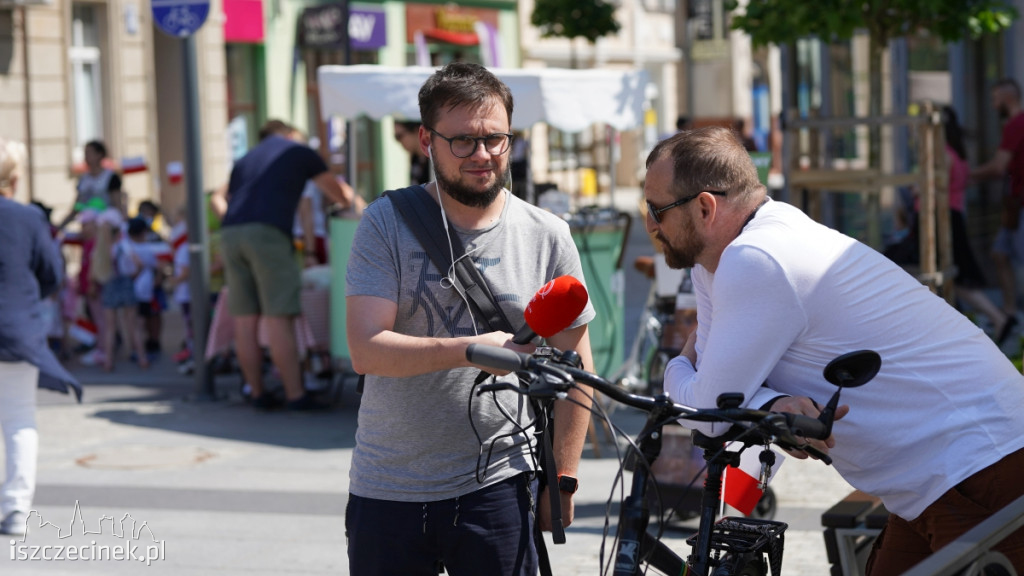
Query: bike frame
x,y
733,543
636,545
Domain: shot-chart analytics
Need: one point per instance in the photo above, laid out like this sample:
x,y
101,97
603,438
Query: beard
x,y
467,195
1003,112
684,253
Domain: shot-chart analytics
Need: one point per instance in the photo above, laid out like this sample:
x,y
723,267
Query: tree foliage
x,y
783,21
590,19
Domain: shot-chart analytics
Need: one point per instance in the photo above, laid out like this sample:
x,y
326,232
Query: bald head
x,y
710,158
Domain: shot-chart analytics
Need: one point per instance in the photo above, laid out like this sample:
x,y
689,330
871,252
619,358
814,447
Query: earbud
x,y
429,150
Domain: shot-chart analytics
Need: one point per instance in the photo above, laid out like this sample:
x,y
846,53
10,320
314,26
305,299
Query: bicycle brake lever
x,y
825,458
781,424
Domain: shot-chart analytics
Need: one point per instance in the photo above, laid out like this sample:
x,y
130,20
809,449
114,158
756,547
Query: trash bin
x,y
600,236
343,232
763,163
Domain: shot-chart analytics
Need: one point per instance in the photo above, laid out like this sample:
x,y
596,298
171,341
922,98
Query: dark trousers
x,y
903,544
489,531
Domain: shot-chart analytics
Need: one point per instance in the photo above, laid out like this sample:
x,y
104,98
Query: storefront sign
x,y
321,27
450,23
243,21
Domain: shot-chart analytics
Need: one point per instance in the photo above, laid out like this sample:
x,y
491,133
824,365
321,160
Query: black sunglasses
x,y
657,212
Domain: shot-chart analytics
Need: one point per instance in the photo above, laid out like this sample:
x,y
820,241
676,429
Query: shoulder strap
x,y
423,216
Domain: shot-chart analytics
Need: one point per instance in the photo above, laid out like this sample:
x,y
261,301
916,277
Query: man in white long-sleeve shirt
x,y
937,434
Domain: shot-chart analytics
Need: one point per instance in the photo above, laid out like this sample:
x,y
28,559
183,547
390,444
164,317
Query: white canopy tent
x,y
568,100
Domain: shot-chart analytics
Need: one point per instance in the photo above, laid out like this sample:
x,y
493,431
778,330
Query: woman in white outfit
x,y
30,270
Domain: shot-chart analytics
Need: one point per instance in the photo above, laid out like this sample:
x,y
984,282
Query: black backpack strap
x,y
422,215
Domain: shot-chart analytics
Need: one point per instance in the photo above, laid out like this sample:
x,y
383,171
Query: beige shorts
x,y
263,276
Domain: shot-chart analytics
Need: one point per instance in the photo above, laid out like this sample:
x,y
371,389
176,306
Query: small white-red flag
x,y
741,488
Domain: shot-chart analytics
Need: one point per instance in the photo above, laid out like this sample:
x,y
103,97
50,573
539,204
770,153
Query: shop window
x,y
568,152
329,135
86,58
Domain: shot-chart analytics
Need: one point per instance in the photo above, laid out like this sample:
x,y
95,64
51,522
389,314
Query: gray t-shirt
x,y
429,437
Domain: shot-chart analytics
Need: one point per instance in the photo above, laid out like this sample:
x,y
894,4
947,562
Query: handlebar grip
x,y
806,426
497,358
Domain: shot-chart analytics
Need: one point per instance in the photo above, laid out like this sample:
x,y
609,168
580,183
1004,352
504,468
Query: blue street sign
x,y
180,18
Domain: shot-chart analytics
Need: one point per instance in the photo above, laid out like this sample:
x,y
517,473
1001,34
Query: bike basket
x,y
749,535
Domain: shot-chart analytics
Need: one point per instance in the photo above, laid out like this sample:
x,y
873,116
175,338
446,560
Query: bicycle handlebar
x,y
783,427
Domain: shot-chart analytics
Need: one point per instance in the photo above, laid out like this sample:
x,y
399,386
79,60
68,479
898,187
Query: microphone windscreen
x,y
555,306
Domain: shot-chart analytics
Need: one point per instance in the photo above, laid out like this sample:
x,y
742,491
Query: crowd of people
x,y
131,267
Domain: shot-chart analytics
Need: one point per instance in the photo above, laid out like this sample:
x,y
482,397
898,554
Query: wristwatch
x,y
567,484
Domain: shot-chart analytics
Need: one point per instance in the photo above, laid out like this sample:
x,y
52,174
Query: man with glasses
x,y
937,434
444,473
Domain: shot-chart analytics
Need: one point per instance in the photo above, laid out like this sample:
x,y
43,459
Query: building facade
x,y
272,74
79,70
646,40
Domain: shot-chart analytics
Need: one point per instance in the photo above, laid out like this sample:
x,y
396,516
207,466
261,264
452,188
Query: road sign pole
x,y
198,260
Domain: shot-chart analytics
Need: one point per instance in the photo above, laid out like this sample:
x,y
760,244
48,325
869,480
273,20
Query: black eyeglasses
x,y
465,146
657,212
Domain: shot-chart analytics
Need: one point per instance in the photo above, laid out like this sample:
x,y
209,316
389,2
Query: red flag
x,y
83,331
133,164
741,489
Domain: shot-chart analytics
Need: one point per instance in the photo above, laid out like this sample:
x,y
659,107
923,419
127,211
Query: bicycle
x,y
644,368
731,546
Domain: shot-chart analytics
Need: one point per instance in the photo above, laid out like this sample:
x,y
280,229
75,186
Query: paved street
x,y
232,491
216,488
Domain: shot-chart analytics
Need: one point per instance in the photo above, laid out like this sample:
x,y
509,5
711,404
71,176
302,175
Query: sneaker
x,y
182,356
314,384
93,357
266,401
306,403
186,368
14,524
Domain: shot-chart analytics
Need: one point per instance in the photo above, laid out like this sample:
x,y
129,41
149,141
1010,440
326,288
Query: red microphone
x,y
552,309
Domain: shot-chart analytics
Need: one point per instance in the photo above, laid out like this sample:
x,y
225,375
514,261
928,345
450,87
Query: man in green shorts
x,y
262,273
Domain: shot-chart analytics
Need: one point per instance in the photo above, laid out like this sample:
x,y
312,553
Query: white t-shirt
x,y
149,254
124,264
319,220
789,295
181,293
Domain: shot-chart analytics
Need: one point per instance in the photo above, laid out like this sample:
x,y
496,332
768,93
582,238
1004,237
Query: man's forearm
x,y
308,227
572,416
397,355
571,424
